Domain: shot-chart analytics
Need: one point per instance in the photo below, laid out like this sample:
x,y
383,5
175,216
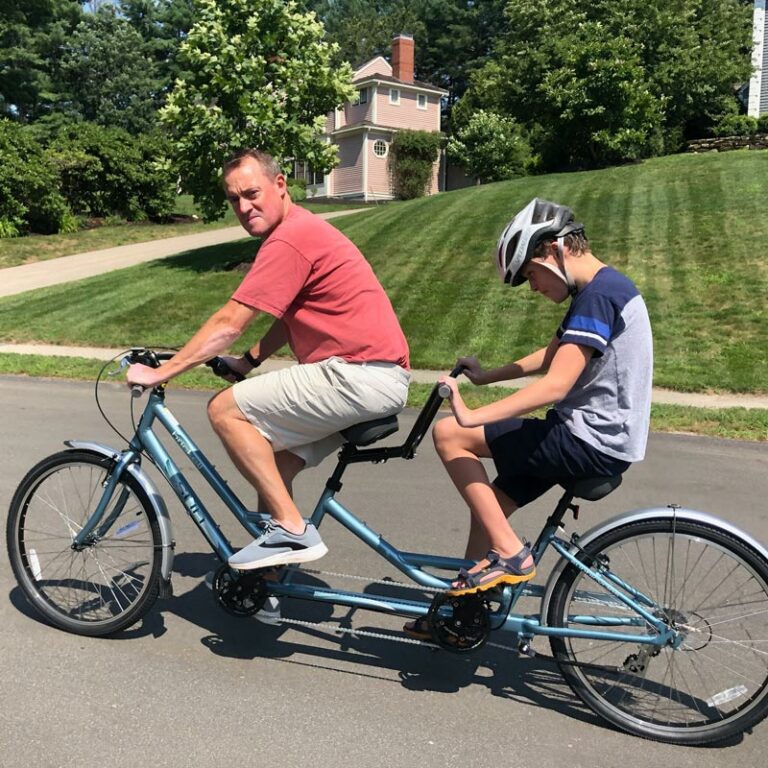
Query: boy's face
x,y
544,277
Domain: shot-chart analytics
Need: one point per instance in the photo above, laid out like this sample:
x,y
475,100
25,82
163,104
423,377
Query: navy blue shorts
x,y
532,455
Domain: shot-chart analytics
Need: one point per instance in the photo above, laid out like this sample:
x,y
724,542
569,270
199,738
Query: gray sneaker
x,y
276,546
270,612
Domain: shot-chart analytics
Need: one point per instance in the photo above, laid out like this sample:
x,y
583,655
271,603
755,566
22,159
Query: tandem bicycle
x,y
657,618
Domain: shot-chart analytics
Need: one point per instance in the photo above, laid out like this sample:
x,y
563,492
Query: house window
x,y
421,101
380,148
362,96
394,96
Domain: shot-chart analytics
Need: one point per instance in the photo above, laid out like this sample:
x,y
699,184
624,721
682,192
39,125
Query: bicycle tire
x,y
106,586
714,587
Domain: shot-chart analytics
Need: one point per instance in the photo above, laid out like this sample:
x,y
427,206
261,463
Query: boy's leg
x,y
460,449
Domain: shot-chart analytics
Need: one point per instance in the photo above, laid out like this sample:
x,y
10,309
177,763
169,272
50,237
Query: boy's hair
x,y
577,244
268,163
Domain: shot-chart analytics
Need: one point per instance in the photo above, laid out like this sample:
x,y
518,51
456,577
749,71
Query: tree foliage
x,y
491,147
258,75
108,78
606,81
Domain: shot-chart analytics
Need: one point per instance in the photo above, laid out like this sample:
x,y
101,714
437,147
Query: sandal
x,y
418,629
499,571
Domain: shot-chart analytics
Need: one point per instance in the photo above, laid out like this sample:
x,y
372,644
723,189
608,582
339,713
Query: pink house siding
x,y
378,182
377,66
346,176
407,114
356,113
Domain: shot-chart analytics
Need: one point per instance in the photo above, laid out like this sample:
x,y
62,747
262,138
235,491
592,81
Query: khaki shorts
x,y
303,408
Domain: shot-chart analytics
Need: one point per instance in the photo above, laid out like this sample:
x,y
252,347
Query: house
x,y
388,99
758,85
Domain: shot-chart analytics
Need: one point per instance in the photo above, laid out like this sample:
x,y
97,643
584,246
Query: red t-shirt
x,y
313,278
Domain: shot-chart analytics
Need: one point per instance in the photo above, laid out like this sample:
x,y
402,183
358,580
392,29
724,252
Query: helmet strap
x,y
569,281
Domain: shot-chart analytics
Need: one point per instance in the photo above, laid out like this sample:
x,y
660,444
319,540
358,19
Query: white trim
x,y
374,80
357,128
757,83
364,149
375,110
386,148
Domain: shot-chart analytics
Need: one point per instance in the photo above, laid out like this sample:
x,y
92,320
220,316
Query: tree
x,y
260,76
109,79
603,82
32,34
491,147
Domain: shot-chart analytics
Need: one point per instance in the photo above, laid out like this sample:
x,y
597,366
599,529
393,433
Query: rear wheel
x,y
705,582
104,586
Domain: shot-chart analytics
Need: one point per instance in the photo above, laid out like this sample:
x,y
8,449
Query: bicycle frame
x,y
412,564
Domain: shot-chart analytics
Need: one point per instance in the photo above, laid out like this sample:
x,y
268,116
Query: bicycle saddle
x,y
593,488
370,431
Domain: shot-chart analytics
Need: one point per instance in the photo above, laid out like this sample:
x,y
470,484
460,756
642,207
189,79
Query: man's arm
x,y
567,364
271,341
216,335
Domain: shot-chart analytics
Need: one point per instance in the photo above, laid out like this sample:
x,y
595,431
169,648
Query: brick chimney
x,y
402,57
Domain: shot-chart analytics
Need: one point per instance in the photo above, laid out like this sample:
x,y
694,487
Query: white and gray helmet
x,y
540,219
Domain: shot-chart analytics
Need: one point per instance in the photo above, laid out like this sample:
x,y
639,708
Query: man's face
x,y
543,279
258,201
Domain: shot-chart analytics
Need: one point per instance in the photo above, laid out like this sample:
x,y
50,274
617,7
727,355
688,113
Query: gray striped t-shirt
x,y
609,405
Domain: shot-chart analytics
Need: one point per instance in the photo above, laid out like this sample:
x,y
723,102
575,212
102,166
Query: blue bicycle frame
x,y
640,608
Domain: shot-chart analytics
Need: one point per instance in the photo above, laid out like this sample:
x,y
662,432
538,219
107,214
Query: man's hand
x,y
238,365
145,376
472,369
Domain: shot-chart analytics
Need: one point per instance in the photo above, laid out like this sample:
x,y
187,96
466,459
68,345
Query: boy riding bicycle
x,y
597,375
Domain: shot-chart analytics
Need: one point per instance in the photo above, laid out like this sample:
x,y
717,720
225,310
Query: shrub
x,y
106,171
491,147
736,125
30,200
297,189
412,157
762,123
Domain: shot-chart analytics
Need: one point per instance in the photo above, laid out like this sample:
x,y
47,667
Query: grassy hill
x,y
689,229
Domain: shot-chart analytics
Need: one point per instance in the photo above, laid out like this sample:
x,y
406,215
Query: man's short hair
x,y
268,163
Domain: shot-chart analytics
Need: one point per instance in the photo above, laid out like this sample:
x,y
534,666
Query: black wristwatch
x,y
254,361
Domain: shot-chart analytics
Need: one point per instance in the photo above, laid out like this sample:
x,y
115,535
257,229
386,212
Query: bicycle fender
x,y
149,487
632,516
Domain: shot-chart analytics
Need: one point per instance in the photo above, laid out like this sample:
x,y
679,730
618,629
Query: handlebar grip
x,y
220,368
444,391
137,390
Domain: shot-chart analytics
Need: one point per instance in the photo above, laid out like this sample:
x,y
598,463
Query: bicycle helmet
x,y
538,220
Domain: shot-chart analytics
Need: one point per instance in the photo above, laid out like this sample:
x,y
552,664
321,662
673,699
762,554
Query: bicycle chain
x,y
364,632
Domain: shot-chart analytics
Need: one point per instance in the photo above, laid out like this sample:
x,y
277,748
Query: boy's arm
x,y
536,362
567,364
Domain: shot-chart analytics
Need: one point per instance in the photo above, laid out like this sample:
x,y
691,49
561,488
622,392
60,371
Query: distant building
x,y
388,99
758,85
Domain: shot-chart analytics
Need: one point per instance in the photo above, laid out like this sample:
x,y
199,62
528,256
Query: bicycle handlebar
x,y
152,359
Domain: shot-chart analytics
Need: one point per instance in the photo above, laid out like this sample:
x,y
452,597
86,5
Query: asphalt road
x,y
192,686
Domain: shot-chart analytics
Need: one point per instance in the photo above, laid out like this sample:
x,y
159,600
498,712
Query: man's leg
x,y
252,454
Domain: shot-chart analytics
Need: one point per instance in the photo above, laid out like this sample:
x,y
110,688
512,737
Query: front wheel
x,y
97,589
712,588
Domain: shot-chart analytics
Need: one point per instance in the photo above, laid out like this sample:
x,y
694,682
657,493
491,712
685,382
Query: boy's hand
x,y
472,369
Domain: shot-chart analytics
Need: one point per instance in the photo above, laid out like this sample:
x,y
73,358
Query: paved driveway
x,y
192,686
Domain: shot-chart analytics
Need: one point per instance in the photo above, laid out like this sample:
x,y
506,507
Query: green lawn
x,y
25,250
689,229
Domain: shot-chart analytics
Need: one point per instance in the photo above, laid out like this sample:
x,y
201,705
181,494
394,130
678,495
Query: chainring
x,y
459,624
240,594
